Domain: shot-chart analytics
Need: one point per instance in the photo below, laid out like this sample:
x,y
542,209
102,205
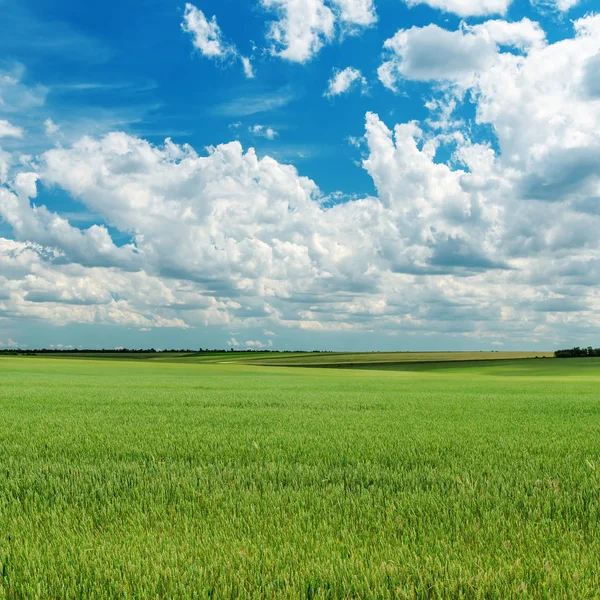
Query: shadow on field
x,y
525,367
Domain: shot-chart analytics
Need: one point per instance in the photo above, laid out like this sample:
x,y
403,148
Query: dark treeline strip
x,y
20,351
577,352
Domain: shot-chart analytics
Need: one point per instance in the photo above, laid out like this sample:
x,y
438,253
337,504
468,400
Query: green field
x,y
355,359
304,359
188,478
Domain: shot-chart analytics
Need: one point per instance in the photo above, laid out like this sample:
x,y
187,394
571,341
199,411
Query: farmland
x,y
194,476
300,359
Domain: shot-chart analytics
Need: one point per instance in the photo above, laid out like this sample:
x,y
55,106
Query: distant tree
x,y
578,352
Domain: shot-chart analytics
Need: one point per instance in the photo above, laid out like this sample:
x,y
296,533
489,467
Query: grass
x,y
150,479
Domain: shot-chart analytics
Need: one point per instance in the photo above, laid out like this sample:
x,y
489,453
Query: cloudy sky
x,y
329,174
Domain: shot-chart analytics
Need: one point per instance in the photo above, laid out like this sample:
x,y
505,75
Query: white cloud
x,y
356,12
433,53
248,68
258,345
430,53
206,35
5,161
262,131
251,236
10,343
468,8
591,76
92,246
9,130
208,38
233,343
51,127
343,80
389,74
566,5
34,287
562,6
305,26
522,35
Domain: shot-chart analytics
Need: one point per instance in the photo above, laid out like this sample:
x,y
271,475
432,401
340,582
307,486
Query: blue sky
x,y
442,193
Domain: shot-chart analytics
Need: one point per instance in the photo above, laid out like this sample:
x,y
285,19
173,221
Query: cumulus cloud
x,y
469,8
591,77
90,247
262,131
9,130
359,13
344,80
50,127
5,160
38,283
303,27
208,38
10,343
206,35
566,5
432,53
562,6
252,236
257,344
254,344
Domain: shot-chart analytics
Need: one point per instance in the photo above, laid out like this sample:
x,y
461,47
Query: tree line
x,y
32,352
577,352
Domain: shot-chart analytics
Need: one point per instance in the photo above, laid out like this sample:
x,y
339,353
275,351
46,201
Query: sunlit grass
x,y
142,479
